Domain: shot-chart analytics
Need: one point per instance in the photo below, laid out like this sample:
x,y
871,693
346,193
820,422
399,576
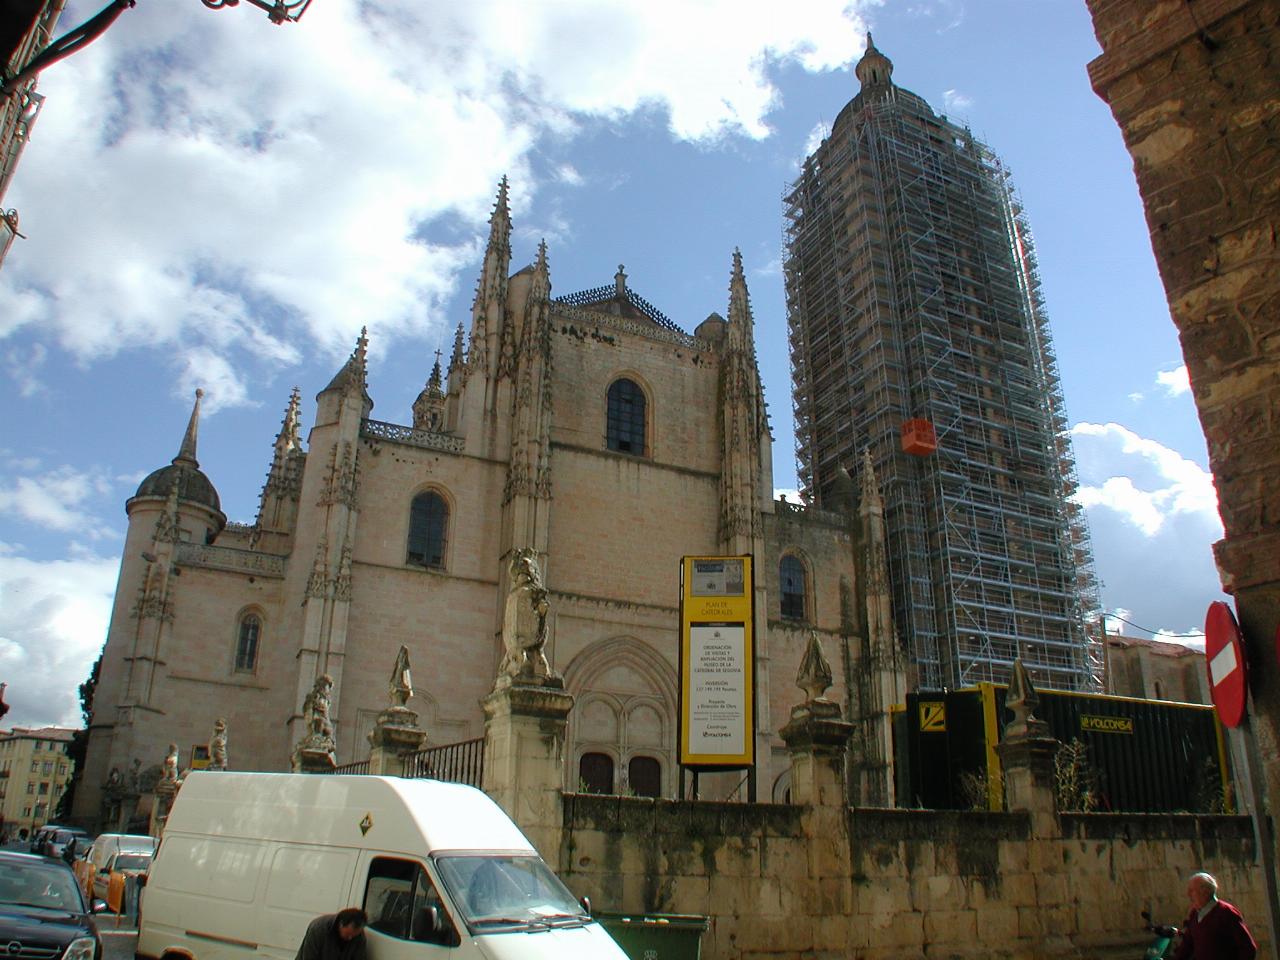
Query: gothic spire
x,y
355,372
187,452
435,381
288,437
457,357
869,497
541,274
741,324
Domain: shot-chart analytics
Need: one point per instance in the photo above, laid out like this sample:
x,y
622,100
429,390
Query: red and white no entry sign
x,y
1224,658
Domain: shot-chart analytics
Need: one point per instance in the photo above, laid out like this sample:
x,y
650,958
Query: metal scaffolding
x,y
912,293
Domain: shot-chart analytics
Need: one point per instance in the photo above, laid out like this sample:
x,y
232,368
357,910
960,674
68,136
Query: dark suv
x,y
43,914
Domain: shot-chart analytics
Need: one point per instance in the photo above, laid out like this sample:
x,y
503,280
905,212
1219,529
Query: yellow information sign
x,y
717,662
933,716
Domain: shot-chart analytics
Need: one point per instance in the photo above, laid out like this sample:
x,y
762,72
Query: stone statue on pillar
x,y
166,790
218,746
396,732
316,751
524,625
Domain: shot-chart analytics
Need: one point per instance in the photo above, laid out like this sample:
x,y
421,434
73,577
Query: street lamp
x,y
279,11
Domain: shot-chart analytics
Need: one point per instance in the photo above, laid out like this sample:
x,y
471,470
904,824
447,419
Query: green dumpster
x,y
655,936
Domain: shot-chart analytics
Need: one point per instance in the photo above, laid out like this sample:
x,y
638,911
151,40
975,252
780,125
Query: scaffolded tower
x,y
917,330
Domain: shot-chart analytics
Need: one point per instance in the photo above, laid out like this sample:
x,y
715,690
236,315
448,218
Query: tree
x,y
79,742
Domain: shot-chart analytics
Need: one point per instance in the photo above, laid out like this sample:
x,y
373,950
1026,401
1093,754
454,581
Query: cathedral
x,y
589,430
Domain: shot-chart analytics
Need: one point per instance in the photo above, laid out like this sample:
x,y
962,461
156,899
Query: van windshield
x,y
497,891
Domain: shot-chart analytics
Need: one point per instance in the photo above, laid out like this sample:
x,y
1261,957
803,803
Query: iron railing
x,y
461,762
356,766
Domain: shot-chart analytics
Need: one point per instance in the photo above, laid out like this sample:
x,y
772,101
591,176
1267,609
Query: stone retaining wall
x,y
900,883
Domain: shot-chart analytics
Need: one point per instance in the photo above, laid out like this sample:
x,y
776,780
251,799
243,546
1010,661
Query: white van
x,y
249,859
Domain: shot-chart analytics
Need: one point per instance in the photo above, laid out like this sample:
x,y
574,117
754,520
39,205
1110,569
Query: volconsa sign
x,y
1106,724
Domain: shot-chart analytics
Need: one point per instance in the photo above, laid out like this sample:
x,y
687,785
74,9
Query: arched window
x,y
428,529
644,776
595,773
247,643
625,421
792,577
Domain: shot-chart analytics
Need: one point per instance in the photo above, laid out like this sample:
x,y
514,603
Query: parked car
x,y
130,863
56,843
43,912
109,844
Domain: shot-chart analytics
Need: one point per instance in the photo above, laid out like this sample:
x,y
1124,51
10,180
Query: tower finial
x,y
620,282
187,451
874,70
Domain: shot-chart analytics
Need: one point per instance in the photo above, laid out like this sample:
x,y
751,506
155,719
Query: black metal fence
x,y
461,762
358,766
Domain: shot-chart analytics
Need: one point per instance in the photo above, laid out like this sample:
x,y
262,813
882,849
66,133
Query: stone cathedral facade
x,y
589,428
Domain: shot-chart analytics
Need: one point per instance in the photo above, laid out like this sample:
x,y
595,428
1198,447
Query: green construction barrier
x,y
656,936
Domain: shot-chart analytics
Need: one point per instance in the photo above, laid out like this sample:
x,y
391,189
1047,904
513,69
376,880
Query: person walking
x,y
1214,929
335,936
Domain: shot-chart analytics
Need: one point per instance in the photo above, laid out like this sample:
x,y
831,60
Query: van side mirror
x,y
586,905
426,925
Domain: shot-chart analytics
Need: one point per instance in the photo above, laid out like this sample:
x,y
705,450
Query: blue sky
x,y
214,201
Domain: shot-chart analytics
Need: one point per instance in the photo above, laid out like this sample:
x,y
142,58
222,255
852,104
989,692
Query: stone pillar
x,y
818,739
817,736
1027,756
161,804
524,735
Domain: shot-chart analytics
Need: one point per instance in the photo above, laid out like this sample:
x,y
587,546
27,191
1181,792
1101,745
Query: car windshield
x,y
133,861
507,890
38,884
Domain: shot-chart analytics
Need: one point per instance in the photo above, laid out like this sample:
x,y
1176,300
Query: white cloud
x,y
786,493
285,198
53,622
954,101
55,499
1168,483
1153,519
1175,382
814,140
1136,396
567,173
23,367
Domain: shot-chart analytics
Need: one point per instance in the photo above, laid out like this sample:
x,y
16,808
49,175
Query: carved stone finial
x,y
218,746
401,687
620,282
814,677
1022,700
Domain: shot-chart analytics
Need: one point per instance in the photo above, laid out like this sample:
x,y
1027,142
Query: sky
x,y
214,201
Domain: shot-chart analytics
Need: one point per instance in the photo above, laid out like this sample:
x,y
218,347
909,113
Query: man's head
x,y
350,923
1201,890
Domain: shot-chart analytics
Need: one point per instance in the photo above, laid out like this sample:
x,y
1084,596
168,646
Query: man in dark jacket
x,y
1214,930
335,936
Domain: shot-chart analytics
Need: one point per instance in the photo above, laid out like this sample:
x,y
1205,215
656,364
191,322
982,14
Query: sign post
x,y
1225,660
717,665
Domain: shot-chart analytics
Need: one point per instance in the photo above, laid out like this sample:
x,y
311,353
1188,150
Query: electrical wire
x,y
1193,633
